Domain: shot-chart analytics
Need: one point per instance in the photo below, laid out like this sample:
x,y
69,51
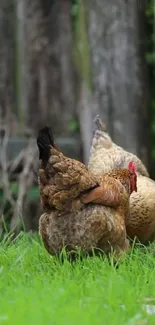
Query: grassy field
x,y
36,288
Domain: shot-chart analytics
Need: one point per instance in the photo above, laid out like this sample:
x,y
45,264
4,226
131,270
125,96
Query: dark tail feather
x,y
45,141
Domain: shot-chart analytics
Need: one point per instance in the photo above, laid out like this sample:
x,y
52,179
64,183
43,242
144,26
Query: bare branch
x,y
4,174
25,181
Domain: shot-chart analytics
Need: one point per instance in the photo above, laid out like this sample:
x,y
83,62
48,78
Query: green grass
x,y
36,288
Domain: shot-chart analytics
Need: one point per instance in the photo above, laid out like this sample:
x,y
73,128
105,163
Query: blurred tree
x,y
51,75
7,46
82,62
117,38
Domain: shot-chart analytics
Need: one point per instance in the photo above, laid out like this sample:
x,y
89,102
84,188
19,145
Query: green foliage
x,y
73,125
75,9
150,57
32,194
37,288
81,44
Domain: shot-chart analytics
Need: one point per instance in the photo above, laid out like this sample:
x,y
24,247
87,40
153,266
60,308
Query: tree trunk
x,y
51,78
116,31
7,46
21,71
85,105
37,63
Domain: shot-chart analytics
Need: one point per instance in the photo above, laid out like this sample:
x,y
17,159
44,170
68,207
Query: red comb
x,y
132,166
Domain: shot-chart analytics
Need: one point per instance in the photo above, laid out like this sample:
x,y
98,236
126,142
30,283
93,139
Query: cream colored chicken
x,y
106,156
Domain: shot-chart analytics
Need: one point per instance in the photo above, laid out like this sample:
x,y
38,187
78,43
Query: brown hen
x,y
73,200
61,179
